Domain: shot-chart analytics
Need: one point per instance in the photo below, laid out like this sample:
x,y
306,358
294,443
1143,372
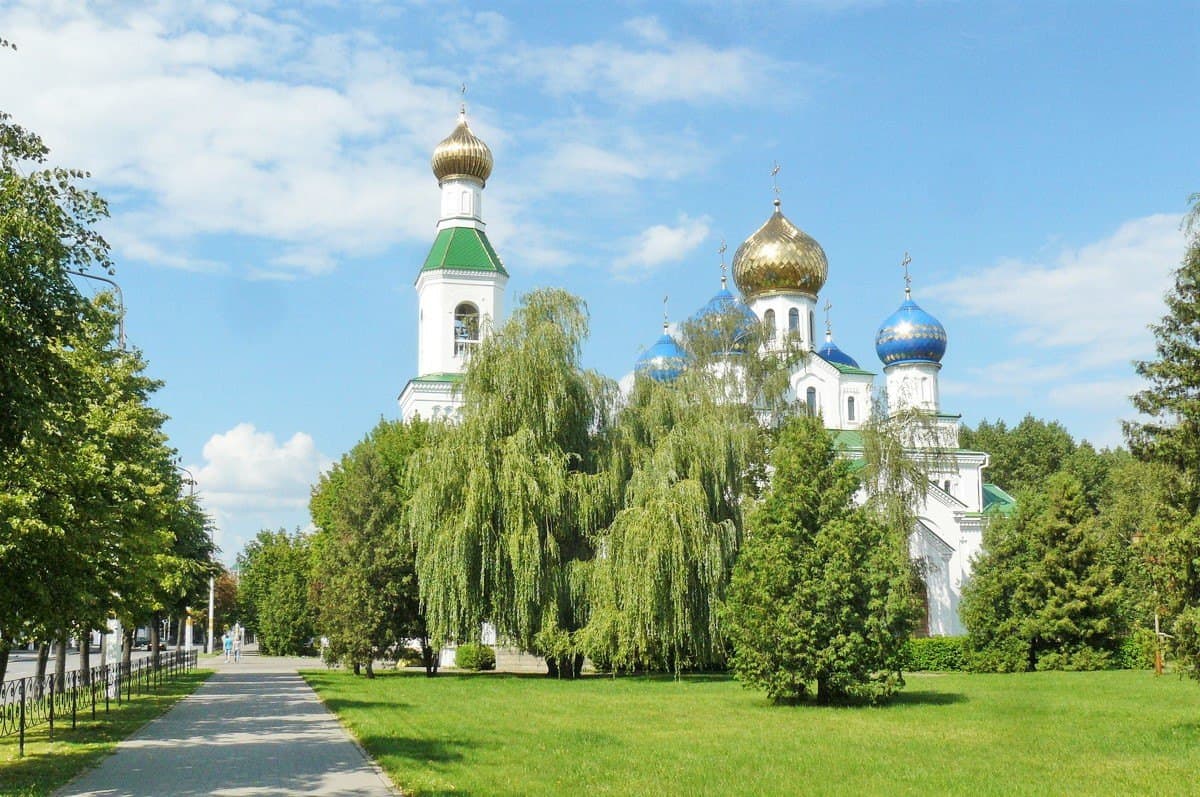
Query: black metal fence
x,y
25,702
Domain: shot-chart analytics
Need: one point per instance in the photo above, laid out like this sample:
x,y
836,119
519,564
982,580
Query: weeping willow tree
x,y
682,455
505,504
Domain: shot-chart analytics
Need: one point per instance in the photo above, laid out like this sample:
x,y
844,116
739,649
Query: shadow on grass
x,y
338,704
927,697
421,751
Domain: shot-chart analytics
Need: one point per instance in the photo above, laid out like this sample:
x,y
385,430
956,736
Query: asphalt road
x,y
22,663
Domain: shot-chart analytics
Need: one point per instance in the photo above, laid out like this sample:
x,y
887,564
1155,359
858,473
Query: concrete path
x,y
253,729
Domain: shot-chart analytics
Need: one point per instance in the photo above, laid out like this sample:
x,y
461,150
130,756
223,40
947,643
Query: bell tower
x,y
460,288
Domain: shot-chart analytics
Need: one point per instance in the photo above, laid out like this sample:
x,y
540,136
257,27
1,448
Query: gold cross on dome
x,y
665,322
907,277
462,108
828,324
721,252
775,178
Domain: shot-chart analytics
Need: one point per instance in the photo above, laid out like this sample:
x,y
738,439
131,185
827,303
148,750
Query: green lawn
x,y
1104,733
49,763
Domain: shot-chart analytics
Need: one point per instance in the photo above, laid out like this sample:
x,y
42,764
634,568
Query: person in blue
x,y
228,640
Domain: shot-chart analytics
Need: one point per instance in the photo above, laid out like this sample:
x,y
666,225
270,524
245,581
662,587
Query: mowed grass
x,y
53,759
1100,733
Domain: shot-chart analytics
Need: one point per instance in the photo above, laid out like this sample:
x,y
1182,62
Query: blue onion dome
x,y
831,353
725,303
910,335
664,361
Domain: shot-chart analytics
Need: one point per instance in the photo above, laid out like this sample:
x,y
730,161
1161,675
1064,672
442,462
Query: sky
x,y
267,170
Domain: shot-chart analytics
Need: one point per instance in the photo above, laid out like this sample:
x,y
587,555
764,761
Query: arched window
x,y
466,328
850,408
946,485
466,203
812,333
769,321
810,399
793,320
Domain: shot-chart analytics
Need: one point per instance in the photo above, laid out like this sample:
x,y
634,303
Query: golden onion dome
x,y
462,154
779,258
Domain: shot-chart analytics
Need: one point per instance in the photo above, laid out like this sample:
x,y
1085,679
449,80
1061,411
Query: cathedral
x,y
779,272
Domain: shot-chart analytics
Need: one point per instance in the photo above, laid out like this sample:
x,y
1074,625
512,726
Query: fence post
x,y
22,721
52,680
92,686
74,692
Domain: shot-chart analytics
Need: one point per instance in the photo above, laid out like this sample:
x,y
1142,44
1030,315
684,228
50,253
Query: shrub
x,y
473,656
1136,651
934,653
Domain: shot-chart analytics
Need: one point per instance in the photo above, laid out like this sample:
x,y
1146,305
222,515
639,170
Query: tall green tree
x,y
505,504
821,597
46,228
1043,595
275,571
1169,433
1024,456
683,455
364,582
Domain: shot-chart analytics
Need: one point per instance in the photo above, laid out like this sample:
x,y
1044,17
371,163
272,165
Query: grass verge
x,y
50,762
1118,732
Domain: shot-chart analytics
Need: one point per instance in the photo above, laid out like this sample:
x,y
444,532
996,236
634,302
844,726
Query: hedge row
x,y
934,653
948,653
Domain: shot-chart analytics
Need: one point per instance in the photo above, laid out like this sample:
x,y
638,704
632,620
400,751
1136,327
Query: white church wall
x,y
440,292
780,305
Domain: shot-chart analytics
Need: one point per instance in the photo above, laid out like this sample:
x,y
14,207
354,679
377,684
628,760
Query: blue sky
x,y
267,168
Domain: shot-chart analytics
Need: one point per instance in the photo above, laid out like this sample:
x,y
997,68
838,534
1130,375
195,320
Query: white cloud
x,y
663,71
659,245
249,480
1096,300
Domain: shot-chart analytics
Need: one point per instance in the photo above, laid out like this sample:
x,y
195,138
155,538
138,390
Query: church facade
x,y
779,272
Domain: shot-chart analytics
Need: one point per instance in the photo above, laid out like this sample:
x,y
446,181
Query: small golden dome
x,y
779,258
462,154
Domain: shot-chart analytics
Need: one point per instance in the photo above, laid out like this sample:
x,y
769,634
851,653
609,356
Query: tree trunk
x,y
370,668
85,657
578,665
182,631
552,667
127,646
60,662
155,624
42,659
430,658
357,668
5,646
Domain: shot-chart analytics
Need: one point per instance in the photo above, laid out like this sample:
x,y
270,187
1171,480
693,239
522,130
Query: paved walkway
x,y
253,729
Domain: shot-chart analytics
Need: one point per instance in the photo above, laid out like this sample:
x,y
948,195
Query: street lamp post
x,y
211,580
120,302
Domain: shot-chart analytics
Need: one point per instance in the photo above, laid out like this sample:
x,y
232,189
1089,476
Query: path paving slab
x,y
253,729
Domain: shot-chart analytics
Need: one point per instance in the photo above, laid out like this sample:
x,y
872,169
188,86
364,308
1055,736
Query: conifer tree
x,y
1170,434
821,595
1043,595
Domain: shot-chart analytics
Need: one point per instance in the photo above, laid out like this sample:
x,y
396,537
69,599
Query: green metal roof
x,y
996,500
455,378
846,439
463,249
846,369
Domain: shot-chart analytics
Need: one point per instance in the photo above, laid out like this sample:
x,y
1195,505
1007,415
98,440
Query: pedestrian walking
x,y
237,643
228,640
